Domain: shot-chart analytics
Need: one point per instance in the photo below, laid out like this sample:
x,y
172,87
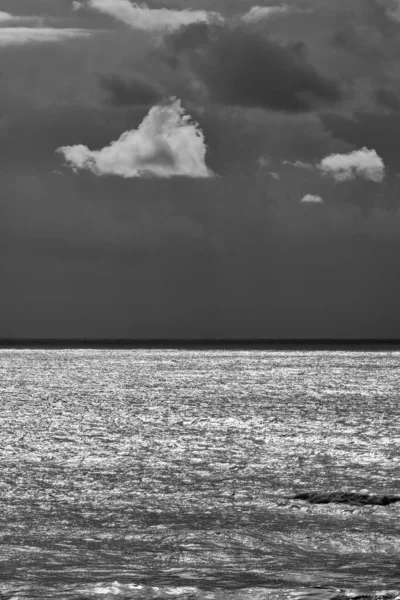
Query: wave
x,y
130,591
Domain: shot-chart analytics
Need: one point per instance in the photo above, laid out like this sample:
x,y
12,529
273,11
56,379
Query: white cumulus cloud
x,y
166,144
364,163
257,13
142,17
311,199
10,36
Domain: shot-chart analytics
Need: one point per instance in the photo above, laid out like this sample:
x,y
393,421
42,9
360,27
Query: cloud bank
x,y
16,30
166,144
365,163
12,36
142,17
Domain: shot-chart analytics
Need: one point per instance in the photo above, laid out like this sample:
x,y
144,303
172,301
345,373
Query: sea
x,y
168,473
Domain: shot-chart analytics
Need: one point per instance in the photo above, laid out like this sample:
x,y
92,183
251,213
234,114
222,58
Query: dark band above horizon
x,y
322,343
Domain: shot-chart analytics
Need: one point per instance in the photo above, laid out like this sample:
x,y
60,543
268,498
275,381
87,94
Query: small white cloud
x,y
275,175
257,13
13,36
142,17
298,164
311,199
302,165
365,163
263,161
166,144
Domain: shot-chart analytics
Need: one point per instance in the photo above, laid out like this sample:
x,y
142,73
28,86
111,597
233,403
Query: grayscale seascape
x,y
169,473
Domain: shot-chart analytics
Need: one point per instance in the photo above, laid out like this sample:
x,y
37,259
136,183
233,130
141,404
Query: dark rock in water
x,y
336,594
346,498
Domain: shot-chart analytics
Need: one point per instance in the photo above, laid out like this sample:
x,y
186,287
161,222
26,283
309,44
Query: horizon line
x,y
86,342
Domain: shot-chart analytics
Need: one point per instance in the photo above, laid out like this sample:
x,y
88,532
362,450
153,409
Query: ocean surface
x,y
170,474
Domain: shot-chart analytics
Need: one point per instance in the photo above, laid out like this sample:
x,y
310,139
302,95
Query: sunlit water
x,y
168,473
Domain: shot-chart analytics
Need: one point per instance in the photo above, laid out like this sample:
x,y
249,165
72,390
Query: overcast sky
x,y
200,168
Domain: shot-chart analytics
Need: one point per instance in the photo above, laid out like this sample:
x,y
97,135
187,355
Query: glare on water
x,y
164,473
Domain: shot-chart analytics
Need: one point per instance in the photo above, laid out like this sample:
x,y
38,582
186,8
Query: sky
x,y
200,169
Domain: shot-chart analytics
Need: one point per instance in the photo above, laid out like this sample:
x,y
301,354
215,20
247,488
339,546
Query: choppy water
x,y
166,473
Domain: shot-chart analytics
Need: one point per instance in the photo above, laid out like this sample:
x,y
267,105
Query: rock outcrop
x,y
346,498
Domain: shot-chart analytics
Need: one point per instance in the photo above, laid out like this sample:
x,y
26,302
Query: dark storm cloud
x,y
75,99
122,92
347,38
240,66
353,42
388,99
125,70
